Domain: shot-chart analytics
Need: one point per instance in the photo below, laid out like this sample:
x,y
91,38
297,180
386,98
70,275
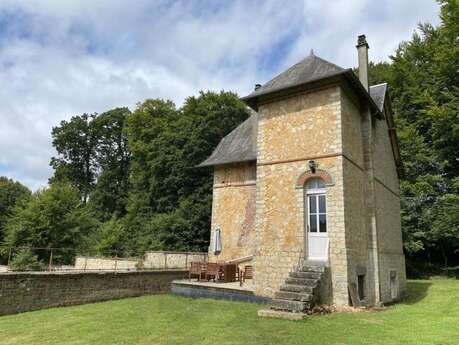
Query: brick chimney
x,y
362,49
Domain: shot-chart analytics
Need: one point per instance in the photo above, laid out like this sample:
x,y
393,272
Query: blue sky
x,y
61,58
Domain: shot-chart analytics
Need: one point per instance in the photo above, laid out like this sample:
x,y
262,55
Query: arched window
x,y
315,183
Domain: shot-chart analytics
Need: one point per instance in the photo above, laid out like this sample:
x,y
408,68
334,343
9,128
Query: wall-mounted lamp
x,y
312,166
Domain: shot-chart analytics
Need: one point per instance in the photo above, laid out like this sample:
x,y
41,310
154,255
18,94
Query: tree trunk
x,y
445,259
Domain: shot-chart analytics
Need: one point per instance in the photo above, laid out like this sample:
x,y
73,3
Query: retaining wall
x,y
20,292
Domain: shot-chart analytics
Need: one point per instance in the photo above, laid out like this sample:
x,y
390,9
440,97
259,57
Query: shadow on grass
x,y
416,292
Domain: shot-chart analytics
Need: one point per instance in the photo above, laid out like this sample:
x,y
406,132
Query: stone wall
x,y
165,260
355,196
291,132
372,205
20,292
151,260
233,210
104,264
390,245
384,163
388,222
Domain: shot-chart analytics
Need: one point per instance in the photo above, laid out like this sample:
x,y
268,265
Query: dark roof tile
x,y
237,146
307,70
378,93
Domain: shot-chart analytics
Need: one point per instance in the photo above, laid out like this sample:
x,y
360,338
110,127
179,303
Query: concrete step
x,y
302,281
278,314
294,296
294,306
312,268
297,288
308,275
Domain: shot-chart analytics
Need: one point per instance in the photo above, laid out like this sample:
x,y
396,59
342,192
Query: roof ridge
x,y
331,63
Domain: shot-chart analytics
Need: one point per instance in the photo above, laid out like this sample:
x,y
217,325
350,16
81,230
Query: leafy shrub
x,y
24,260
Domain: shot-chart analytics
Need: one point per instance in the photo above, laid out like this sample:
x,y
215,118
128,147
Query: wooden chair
x,y
246,274
197,269
212,271
221,270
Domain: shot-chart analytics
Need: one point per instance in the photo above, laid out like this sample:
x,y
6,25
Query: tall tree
x,y
11,193
112,158
93,155
170,203
75,143
423,76
54,217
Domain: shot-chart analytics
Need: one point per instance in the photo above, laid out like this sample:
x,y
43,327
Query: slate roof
x,y
239,145
307,70
378,93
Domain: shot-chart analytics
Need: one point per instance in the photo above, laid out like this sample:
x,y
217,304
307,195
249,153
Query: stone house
x,y
311,179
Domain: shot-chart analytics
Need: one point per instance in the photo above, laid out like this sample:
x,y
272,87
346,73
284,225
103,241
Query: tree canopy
x,y
54,217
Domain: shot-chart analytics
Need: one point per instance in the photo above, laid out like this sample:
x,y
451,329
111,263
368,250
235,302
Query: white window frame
x,y
316,192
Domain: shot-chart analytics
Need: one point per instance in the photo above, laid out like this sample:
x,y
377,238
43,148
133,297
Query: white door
x,y
317,236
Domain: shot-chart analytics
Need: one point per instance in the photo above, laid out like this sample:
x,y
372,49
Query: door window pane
x,y
322,223
312,204
313,223
322,207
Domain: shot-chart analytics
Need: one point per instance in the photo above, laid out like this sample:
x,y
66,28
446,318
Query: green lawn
x,y
430,315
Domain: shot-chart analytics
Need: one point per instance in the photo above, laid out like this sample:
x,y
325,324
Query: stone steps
x,y
307,275
288,305
301,281
294,296
299,291
311,268
297,288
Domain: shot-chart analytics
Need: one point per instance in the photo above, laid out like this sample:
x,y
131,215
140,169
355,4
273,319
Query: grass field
x,y
430,315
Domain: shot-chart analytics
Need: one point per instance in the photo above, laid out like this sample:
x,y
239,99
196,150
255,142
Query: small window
x,y
361,286
393,285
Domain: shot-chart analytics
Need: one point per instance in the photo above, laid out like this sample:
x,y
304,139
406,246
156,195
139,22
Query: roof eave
x,y
393,136
214,164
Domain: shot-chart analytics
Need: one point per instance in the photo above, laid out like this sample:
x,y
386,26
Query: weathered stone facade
x,y
233,210
310,124
348,139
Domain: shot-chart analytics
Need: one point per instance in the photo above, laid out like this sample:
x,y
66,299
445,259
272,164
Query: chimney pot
x,y
362,41
257,86
362,49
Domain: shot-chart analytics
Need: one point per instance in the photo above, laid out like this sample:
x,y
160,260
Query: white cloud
x,y
61,58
